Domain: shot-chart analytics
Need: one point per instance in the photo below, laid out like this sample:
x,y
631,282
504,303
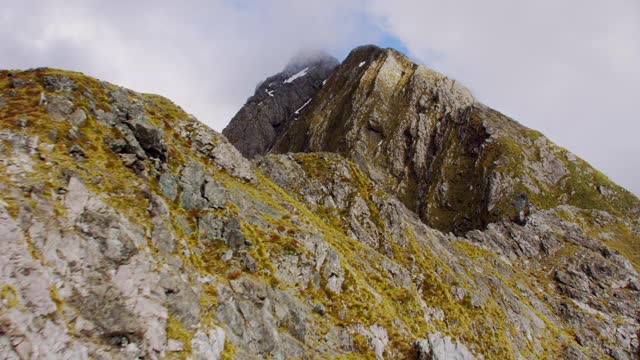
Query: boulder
x,y
439,347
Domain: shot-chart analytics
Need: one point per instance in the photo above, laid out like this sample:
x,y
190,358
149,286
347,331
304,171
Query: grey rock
x,y
136,112
59,107
128,159
162,237
378,338
19,83
211,226
191,181
76,151
58,83
43,99
117,145
208,345
277,102
105,118
521,203
104,306
121,103
229,159
183,301
332,272
215,194
233,234
249,263
168,185
78,118
320,309
113,241
133,146
150,139
439,347
174,346
6,349
339,339
3,102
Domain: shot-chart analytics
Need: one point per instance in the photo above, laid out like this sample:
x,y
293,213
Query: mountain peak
x,y
421,135
308,58
390,66
277,101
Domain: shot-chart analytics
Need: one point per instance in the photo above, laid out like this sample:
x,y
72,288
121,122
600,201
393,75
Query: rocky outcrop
x,y
529,272
278,101
438,347
455,162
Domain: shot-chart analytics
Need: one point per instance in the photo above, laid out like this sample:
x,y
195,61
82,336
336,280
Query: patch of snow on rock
x,y
302,107
299,74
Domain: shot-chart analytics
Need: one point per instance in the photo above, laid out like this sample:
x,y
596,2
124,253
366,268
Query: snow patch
x,y
269,92
362,63
299,74
324,82
302,107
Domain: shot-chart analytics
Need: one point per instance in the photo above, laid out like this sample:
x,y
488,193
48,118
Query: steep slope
x,y
508,292
423,137
277,101
131,230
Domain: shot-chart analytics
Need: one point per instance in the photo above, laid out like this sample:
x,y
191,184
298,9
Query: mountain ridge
x,y
413,116
133,230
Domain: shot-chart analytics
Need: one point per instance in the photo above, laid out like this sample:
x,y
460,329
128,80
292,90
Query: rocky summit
x,y
277,101
371,209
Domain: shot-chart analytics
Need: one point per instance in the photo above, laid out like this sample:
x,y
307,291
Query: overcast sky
x,y
569,68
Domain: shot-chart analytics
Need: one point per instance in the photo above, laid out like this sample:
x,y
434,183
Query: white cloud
x,y
206,56
570,69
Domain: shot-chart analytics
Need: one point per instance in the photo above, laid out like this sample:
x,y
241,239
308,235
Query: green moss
x,y
55,296
361,344
229,351
178,331
8,295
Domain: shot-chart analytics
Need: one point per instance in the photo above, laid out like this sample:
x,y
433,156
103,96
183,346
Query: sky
x,y
569,68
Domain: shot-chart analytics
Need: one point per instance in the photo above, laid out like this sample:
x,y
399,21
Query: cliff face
x,y
277,101
131,230
423,137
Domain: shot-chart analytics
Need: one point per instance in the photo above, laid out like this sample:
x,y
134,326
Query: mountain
x,y
424,138
277,101
132,230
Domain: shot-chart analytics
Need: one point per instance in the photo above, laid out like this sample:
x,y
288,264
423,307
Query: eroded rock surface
x,y
277,101
423,137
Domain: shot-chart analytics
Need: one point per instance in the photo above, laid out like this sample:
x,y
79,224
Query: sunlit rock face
x,y
458,164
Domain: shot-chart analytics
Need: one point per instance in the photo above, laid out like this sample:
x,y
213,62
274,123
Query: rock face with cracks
x,y
277,102
423,137
131,230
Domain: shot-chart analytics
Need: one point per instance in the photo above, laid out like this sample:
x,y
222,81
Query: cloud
x,y
570,69
207,56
